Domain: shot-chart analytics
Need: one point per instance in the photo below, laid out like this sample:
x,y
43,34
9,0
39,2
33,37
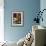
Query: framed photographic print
x,y
17,18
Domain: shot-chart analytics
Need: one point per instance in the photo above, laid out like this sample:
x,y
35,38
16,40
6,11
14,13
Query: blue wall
x,y
43,6
29,7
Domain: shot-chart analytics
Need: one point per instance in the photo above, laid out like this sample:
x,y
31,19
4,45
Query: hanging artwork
x,y
17,18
